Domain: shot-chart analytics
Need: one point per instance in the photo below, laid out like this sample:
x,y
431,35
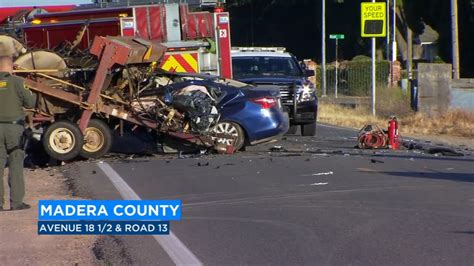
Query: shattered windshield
x,y
264,66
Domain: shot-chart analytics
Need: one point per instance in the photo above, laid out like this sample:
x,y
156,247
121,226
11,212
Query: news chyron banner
x,y
107,217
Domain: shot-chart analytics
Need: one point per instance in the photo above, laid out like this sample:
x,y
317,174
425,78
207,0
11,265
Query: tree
x,y
296,24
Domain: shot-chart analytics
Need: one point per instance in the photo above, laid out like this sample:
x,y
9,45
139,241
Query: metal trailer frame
x,y
111,51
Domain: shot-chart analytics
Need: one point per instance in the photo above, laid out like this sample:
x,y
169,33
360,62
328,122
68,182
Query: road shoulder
x,y
21,245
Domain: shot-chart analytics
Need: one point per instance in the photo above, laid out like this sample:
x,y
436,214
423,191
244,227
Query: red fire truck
x,y
197,41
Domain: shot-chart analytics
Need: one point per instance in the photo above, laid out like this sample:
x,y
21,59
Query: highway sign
x,y
373,19
336,36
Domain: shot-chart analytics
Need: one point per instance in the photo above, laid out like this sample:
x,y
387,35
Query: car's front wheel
x,y
230,134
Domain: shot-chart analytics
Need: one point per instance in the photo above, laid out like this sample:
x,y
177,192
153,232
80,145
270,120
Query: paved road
x,y
317,201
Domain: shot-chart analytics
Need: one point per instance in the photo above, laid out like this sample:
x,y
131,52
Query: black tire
x,y
292,130
63,140
97,140
232,128
308,130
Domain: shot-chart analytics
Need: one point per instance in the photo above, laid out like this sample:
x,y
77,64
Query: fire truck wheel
x,y
97,140
63,140
231,129
308,129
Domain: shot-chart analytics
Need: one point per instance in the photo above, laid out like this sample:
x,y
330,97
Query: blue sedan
x,y
249,115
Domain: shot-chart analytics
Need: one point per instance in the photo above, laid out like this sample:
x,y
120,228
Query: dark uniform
x,y
13,97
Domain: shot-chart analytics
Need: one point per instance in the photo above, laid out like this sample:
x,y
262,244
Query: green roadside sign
x,y
336,36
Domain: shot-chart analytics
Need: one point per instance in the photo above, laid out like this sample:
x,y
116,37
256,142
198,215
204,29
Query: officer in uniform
x,y
13,97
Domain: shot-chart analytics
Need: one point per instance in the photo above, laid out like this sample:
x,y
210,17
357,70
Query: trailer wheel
x,y
63,140
97,140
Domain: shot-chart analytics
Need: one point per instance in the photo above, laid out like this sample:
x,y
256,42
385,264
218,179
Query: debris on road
x,y
367,170
319,184
376,161
278,149
372,137
411,145
445,152
320,154
321,174
418,148
224,149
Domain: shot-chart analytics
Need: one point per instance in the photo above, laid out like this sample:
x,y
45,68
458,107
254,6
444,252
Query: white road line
x,y
177,251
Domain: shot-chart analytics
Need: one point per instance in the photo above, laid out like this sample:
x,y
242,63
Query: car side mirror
x,y
310,73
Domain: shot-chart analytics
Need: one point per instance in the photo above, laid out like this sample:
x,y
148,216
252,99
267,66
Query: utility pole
x,y
394,40
337,72
252,20
394,31
336,37
374,72
455,38
323,49
387,39
409,54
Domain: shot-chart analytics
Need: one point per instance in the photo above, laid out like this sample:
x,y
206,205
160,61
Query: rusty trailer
x,y
83,127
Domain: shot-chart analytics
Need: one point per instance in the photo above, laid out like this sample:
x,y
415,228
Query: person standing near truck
x,y
14,96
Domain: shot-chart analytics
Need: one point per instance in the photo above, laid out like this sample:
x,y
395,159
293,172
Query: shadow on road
x,y
464,232
461,177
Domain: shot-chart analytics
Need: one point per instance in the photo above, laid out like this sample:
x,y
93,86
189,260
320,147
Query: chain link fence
x,y
354,78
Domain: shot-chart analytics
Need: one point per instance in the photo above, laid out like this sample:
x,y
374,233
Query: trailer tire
x,y
97,140
63,140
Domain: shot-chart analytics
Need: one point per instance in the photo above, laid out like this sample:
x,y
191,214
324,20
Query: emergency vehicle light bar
x,y
259,49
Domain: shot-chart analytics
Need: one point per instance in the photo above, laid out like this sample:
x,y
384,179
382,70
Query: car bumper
x,y
303,113
273,127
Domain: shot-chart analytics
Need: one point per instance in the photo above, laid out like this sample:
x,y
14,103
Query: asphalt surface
x,y
310,201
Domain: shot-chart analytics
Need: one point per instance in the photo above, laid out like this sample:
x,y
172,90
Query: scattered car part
x,y
376,161
372,137
445,152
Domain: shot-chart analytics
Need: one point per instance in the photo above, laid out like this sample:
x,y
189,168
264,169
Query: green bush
x,y
361,58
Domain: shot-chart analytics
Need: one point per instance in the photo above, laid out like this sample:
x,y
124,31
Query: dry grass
x,y
456,123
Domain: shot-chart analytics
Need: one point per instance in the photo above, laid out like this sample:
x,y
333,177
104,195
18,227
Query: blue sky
x,y
11,3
